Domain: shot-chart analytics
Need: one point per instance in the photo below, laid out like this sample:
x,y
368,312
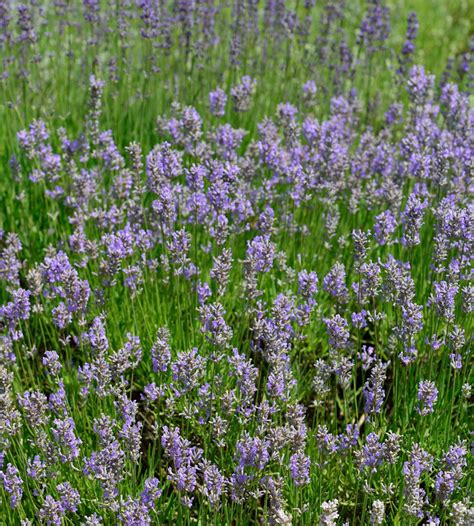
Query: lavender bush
x,y
235,263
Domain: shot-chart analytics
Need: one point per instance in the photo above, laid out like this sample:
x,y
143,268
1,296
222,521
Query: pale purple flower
x,y
337,330
419,462
385,225
448,477
374,393
299,468
260,253
334,283
217,102
214,486
51,362
242,94
443,299
427,397
12,484
329,513
412,220
67,443
161,351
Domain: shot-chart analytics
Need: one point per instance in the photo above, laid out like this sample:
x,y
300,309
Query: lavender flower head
x,y
242,94
12,484
329,513
299,467
427,397
217,102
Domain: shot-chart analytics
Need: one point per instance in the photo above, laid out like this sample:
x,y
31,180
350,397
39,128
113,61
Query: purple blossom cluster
x,y
247,318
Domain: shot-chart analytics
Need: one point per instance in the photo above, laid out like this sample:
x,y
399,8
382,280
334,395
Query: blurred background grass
x,y
56,89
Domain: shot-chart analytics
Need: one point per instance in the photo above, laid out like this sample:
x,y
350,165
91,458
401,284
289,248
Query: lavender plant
x,y
235,264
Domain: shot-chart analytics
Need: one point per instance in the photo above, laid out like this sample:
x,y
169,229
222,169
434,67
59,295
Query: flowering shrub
x,y
235,310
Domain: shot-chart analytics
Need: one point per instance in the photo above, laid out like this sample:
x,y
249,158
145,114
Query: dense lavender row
x,y
152,52
241,319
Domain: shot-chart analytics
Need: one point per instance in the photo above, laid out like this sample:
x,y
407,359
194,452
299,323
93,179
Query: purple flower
x,y
372,454
35,407
375,26
348,439
299,468
251,452
204,292
67,442
367,356
221,270
419,462
385,225
412,30
409,45
160,351
361,242
321,379
51,512
334,283
69,497
412,220
359,319
446,479
394,114
337,330
217,102
16,310
308,286
326,441
133,513
427,397
179,246
162,163
151,393
214,325
214,482
151,492
37,469
185,458
51,362
57,401
242,93
443,299
61,316
260,253
96,336
187,371
374,392
246,374
419,85
456,361
12,484
10,265
107,465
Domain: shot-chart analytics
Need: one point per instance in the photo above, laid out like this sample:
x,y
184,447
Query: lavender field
x,y
236,245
